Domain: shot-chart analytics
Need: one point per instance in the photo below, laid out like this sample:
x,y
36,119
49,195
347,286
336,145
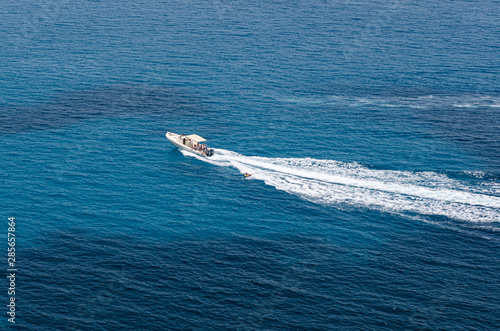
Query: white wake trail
x,y
333,182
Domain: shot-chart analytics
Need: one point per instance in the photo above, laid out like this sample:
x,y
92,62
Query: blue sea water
x,y
371,129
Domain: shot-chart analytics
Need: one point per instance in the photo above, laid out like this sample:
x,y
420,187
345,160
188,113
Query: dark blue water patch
x,y
119,100
248,282
476,129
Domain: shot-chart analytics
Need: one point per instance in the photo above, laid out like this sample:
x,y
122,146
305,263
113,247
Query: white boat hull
x,y
178,141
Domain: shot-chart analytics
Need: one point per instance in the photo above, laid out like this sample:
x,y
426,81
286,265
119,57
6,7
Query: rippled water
x,y
371,130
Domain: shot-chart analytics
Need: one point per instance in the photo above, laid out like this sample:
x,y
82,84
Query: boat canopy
x,y
196,138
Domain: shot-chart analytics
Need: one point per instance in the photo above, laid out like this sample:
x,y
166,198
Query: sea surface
x,y
371,128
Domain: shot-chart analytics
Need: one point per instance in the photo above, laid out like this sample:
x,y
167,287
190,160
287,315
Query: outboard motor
x,y
210,152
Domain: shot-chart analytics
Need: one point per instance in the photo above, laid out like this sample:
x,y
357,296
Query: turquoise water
x,y
371,130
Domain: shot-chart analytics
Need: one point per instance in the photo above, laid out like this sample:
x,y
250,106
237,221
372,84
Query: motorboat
x,y
191,143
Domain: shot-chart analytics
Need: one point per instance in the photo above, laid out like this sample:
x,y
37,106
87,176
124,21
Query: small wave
x,y
337,183
420,102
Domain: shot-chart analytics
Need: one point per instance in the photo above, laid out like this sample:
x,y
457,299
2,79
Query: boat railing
x,y
202,149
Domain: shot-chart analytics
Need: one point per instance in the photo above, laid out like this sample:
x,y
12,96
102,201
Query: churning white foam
x,y
336,183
